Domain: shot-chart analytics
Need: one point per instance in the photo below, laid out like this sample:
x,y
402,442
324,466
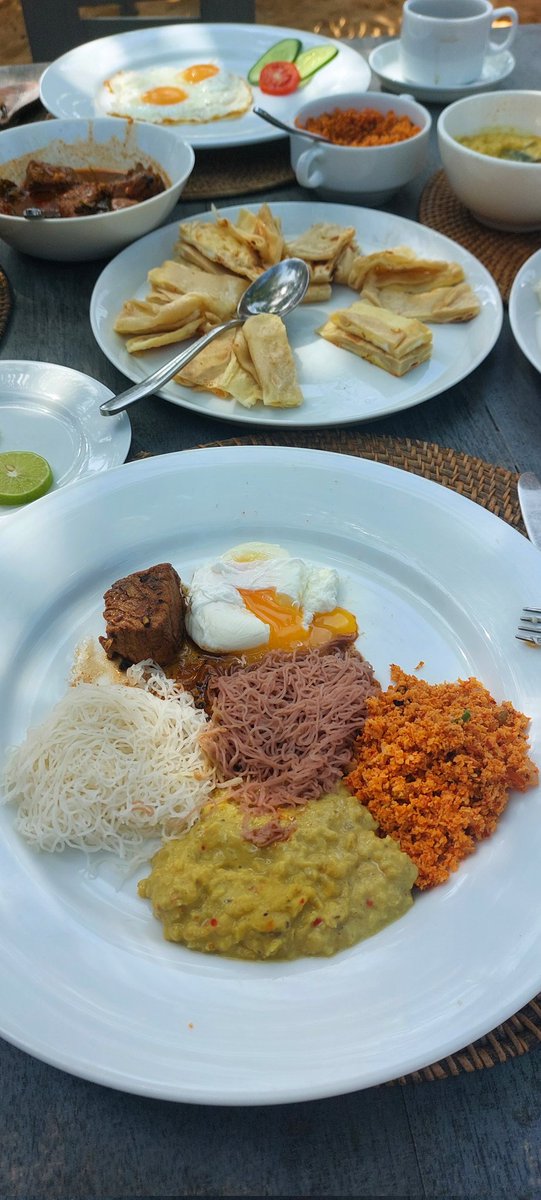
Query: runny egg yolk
x,y
164,95
200,71
285,620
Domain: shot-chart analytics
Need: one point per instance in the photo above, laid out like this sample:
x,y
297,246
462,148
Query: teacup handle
x,y
497,47
307,168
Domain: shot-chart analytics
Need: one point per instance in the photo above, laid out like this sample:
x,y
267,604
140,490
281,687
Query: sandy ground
x,y
337,18
14,46
343,18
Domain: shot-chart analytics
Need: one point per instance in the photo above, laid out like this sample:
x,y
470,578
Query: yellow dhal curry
x,y
331,884
500,142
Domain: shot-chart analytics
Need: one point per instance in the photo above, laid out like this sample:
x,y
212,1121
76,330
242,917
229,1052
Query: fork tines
x,y
530,629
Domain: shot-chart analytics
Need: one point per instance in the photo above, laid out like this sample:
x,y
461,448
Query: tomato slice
x,y
279,78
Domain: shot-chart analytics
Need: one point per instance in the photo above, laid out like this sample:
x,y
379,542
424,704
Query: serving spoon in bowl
x,y
276,291
272,120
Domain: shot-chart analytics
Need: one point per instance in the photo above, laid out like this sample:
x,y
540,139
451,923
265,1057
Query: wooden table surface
x,y
476,1135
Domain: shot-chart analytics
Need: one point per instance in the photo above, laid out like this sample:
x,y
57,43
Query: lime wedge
x,y
24,476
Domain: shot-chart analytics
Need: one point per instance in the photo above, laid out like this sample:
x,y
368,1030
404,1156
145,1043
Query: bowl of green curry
x,y
490,147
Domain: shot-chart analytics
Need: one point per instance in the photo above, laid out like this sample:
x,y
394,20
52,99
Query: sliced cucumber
x,y
313,60
284,51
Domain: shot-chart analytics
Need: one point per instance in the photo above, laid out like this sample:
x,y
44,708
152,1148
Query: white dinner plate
x,y
88,982
73,85
338,387
384,61
54,411
525,309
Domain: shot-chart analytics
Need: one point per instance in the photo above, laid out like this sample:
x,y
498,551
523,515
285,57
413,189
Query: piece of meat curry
x,y
78,191
144,616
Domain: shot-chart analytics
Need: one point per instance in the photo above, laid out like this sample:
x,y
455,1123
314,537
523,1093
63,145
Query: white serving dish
x,y
54,411
338,387
88,982
501,194
109,142
369,174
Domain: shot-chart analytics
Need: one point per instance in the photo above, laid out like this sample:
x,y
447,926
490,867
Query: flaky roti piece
x,y
223,291
262,231
151,341
217,241
224,368
400,267
165,318
388,340
157,313
438,306
322,242
250,364
182,252
205,371
242,354
344,263
273,360
246,247
320,273
240,377
317,293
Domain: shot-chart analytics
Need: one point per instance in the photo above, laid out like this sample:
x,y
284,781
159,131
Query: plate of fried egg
x,y
194,77
269,799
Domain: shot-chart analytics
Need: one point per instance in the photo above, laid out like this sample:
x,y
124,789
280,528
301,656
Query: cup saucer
x,y
384,61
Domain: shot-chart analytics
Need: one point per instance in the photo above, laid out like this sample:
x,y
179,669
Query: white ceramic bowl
x,y
108,142
369,174
502,194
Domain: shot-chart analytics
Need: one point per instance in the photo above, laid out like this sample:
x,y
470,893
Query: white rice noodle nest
x,y
111,767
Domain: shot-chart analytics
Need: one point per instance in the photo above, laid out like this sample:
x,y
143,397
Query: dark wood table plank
x,y
478,1135
124,1145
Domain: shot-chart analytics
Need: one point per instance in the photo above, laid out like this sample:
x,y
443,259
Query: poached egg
x,y
257,597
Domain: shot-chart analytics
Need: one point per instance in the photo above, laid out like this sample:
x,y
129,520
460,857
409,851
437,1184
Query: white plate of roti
x,y
338,387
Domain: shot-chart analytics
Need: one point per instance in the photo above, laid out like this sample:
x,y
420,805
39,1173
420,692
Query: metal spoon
x,y
267,116
277,291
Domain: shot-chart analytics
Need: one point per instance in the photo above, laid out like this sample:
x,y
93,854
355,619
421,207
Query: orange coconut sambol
x,y
361,127
435,764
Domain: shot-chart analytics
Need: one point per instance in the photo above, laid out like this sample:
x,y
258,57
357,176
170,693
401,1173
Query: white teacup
x,y
444,43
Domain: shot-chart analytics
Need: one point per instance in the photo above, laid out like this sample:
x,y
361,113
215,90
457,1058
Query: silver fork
x,y
530,629
529,495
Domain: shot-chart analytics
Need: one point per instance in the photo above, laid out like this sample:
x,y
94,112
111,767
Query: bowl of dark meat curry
x,y
75,190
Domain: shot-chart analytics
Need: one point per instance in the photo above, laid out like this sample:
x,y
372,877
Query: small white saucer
x,y
54,411
384,61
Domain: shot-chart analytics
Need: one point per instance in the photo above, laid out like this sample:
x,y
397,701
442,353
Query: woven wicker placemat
x,y
6,302
496,489
239,170
501,253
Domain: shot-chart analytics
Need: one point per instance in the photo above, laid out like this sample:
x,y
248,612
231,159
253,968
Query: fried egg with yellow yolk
x,y
257,597
166,95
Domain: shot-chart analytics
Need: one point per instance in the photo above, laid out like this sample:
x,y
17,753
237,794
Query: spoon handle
x,y
272,120
155,381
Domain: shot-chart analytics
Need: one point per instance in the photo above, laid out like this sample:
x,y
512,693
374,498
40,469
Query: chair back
x,y
55,26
